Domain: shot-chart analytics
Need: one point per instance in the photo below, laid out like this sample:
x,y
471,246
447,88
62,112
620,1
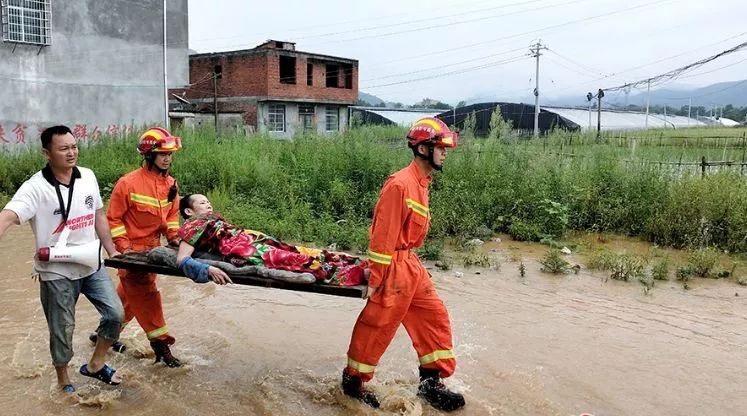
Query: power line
x,y
460,5
460,71
428,27
542,29
444,66
652,62
713,70
578,64
562,65
675,72
458,22
370,28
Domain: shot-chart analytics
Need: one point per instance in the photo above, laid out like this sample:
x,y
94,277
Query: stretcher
x,y
140,262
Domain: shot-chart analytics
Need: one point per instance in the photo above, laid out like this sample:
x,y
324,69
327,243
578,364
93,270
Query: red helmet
x,y
431,131
158,140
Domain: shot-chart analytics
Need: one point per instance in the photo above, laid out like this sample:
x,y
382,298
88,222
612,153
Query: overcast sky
x,y
471,49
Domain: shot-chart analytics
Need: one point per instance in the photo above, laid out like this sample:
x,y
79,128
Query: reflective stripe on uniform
x,y
172,224
144,200
148,200
417,207
435,356
360,367
118,231
158,332
379,258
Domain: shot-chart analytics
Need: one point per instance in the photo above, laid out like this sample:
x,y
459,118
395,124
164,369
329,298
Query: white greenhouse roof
x,y
404,117
622,120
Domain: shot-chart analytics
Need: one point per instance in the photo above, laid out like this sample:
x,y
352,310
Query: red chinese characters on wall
x,y
20,131
80,132
96,134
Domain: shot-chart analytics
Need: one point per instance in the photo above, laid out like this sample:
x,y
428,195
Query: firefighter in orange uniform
x,y
400,290
144,206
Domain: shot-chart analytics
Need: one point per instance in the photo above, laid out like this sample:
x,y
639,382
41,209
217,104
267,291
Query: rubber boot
x,y
436,394
117,346
353,387
163,353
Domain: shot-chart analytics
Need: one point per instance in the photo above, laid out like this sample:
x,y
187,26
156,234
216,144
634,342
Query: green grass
x,y
323,189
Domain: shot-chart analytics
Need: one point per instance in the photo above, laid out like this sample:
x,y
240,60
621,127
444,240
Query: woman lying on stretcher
x,y
207,231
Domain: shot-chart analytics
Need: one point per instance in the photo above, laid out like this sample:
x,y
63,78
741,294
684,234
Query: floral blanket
x,y
212,233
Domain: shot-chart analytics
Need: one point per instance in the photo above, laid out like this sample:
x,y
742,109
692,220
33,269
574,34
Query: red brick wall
x,y
300,89
258,75
242,76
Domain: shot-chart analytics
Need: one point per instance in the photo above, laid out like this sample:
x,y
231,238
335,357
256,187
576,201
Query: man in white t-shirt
x,y
64,200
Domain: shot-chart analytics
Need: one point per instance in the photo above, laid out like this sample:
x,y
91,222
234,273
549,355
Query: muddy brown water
x,y
538,345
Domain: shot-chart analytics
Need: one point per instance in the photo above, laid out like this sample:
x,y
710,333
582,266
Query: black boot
x,y
436,394
163,353
353,387
117,346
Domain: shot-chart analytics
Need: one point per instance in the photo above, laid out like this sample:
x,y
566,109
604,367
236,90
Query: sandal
x,y
105,374
68,388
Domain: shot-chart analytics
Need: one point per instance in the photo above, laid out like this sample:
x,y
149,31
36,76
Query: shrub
x,y
702,261
628,267
553,262
660,271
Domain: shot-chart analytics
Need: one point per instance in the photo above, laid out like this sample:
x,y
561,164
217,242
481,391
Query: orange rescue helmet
x,y
431,131
158,140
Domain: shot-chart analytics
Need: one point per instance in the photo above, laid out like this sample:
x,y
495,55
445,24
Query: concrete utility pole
x,y
535,50
215,101
165,73
648,100
589,97
600,95
689,108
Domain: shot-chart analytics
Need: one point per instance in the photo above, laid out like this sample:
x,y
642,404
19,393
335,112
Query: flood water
x,y
537,345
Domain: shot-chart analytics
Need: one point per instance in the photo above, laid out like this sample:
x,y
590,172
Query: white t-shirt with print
x,y
36,201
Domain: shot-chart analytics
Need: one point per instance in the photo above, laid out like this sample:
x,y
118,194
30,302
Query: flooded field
x,y
534,345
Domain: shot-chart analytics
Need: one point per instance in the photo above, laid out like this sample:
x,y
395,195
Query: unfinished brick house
x,y
276,88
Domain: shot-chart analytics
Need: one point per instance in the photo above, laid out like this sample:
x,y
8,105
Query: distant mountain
x,y
721,94
371,99
734,93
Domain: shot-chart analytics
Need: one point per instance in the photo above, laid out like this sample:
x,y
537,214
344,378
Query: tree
x,y
499,128
461,104
431,103
441,106
356,119
469,126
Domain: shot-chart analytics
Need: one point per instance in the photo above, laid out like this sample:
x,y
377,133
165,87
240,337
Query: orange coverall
x,y
405,292
138,214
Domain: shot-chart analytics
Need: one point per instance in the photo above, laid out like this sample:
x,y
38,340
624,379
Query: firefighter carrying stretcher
x,y
145,205
400,290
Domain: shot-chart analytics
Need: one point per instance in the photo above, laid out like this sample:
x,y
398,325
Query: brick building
x,y
276,88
